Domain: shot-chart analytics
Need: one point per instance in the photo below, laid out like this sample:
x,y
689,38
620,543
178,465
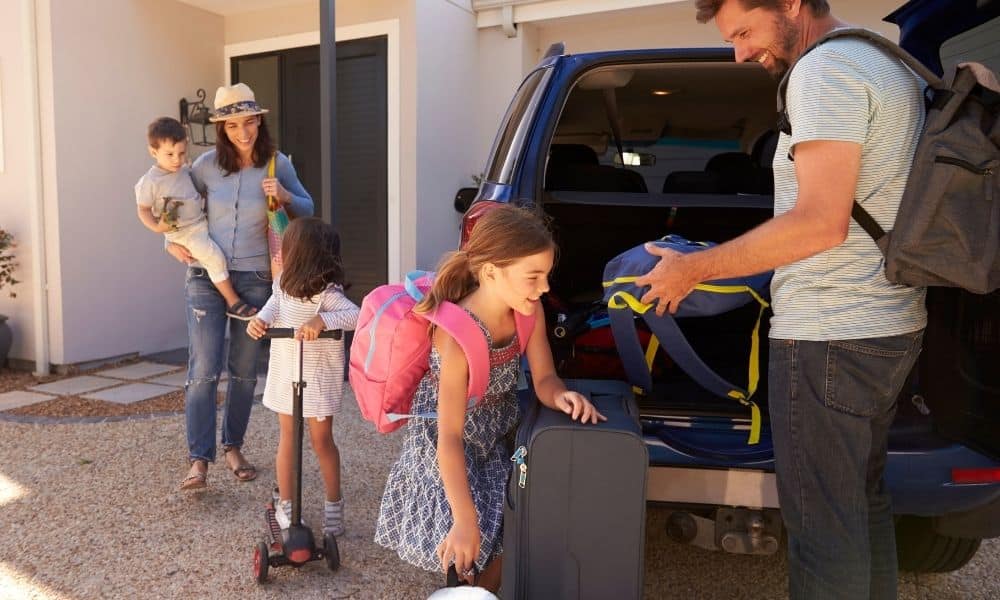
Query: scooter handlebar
x,y
288,332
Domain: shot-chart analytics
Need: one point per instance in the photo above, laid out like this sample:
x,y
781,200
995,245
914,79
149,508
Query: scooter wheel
x,y
331,551
260,563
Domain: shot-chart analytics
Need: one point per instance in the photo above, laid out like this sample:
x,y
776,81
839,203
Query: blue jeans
x,y
206,323
831,407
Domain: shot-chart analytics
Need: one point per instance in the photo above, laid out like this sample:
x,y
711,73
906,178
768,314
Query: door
x,y
287,83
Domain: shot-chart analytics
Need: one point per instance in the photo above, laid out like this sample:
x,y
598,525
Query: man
x,y
843,338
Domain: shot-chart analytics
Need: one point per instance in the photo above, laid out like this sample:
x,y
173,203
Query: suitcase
x,y
575,514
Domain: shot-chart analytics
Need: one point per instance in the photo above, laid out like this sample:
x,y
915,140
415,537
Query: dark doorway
x,y
287,83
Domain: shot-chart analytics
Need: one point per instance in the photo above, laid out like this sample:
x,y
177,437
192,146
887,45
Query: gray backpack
x,y
947,230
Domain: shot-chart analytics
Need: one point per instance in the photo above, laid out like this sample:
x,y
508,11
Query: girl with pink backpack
x,y
443,501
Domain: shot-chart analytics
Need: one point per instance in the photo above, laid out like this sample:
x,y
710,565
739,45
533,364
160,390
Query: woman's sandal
x,y
197,480
242,311
243,470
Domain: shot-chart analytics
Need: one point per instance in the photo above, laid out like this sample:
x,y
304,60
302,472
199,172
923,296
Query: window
x,y
507,146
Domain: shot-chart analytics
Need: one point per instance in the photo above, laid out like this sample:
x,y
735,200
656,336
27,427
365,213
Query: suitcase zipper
x,y
522,469
958,162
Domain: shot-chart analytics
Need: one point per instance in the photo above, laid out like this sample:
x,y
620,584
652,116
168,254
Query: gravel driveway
x,y
92,511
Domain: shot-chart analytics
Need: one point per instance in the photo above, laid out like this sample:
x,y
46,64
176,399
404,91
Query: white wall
x,y
447,121
117,65
14,208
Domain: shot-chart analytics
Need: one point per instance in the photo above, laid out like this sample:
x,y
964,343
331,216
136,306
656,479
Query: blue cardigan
x,y
237,208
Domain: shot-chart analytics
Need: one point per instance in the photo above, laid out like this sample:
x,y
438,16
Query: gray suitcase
x,y
575,516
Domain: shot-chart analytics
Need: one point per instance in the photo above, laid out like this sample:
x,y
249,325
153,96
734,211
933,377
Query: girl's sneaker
x,y
333,518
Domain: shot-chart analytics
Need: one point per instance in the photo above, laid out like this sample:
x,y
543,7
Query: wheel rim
x,y
256,562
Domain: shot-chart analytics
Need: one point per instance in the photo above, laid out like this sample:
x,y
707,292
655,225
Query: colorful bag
x,y
277,223
392,343
707,299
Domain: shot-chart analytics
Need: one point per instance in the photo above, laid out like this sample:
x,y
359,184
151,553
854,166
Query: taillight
x,y
472,215
991,475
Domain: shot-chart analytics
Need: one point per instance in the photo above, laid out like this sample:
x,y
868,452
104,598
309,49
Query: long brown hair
x,y
228,158
501,236
310,251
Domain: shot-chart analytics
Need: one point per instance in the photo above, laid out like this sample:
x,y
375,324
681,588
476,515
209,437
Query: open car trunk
x,y
698,140
590,235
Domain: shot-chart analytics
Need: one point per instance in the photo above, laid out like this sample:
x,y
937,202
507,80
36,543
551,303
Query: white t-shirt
x,y
849,90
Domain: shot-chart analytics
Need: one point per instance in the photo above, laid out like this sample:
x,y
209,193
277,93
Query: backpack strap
x,y
935,83
525,325
457,323
932,79
622,308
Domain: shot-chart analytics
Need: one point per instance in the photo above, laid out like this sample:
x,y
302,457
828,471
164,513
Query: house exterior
x,y
79,82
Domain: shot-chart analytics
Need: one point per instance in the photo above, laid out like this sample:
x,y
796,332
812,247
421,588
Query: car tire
x,y
920,549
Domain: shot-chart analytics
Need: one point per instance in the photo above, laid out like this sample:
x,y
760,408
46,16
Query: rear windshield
x,y
684,128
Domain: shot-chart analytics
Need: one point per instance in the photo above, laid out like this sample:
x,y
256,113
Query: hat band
x,y
237,108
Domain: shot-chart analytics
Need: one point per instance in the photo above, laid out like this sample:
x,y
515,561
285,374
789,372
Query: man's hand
x,y
180,253
670,281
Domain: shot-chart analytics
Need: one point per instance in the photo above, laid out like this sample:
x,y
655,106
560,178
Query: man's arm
x,y
827,174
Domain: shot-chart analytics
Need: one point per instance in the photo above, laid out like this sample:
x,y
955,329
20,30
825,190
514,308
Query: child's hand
x,y
577,406
256,328
163,226
311,329
460,546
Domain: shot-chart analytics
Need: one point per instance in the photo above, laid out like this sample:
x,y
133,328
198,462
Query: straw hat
x,y
234,101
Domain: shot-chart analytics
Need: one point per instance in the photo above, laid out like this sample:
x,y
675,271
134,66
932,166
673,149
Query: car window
x,y
684,128
508,143
980,44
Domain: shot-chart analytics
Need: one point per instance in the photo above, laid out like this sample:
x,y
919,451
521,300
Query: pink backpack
x,y
392,344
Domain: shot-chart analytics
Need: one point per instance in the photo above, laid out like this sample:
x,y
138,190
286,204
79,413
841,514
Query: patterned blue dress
x,y
415,516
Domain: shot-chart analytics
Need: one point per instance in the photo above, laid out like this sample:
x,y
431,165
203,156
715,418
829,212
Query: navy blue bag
x,y
710,298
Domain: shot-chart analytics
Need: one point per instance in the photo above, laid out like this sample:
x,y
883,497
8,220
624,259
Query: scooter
x,y
295,546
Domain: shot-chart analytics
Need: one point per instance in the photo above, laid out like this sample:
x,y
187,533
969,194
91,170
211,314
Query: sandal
x,y
198,480
243,470
242,311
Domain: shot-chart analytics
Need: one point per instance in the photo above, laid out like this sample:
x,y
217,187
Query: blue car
x,y
621,147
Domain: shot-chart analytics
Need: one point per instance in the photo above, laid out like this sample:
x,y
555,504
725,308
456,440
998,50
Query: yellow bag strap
x,y
620,300
271,200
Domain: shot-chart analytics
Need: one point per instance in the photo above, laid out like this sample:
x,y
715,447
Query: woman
x,y
234,179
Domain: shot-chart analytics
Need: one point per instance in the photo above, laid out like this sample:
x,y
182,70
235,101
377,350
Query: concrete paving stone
x,y
173,379
133,392
19,398
179,378
75,385
140,370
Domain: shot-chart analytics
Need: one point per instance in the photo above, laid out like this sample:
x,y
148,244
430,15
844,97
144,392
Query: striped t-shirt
x,y
849,90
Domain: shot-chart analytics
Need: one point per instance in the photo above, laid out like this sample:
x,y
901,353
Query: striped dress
x,y
323,368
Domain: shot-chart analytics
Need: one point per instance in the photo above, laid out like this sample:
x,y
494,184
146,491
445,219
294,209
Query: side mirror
x,y
464,198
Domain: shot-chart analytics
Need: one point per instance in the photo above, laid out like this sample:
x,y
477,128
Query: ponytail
x,y
454,280
501,236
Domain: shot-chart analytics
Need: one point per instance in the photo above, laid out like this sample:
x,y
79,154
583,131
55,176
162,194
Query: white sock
x,y
333,517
